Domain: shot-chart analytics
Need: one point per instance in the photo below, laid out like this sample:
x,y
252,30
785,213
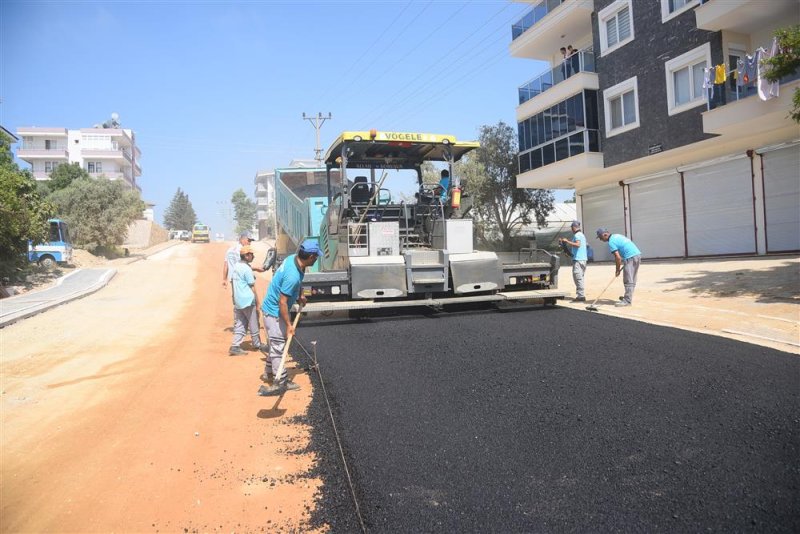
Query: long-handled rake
x,y
592,307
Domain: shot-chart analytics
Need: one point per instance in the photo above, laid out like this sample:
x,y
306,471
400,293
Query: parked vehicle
x,y
201,233
185,235
57,249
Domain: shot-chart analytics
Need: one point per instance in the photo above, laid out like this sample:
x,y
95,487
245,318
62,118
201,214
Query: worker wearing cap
x,y
579,259
232,257
283,292
627,258
245,304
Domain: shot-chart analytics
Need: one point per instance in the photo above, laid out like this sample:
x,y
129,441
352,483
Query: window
x,y
621,107
616,26
94,167
50,166
684,77
673,8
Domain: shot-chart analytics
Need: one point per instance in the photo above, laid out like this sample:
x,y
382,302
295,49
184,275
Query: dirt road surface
x,y
123,412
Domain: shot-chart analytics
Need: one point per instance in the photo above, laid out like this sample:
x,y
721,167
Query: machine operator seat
x,y
361,191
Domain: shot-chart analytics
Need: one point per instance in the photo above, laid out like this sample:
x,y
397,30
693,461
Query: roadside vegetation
x,y
97,211
180,214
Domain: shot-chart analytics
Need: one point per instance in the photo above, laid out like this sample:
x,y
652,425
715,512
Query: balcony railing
x,y
533,16
560,149
582,61
730,92
42,147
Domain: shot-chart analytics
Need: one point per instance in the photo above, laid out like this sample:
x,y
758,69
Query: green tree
x,y
244,211
23,212
98,211
180,214
63,175
490,177
786,62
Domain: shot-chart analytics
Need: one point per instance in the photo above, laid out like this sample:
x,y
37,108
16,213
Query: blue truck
x,y
57,249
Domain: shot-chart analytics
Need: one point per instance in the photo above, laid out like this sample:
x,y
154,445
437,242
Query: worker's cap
x,y
310,246
246,235
601,231
247,249
576,224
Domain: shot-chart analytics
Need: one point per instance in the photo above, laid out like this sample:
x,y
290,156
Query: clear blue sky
x,y
215,91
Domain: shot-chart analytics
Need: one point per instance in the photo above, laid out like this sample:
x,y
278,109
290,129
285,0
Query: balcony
x,y
745,16
748,115
30,152
583,61
550,25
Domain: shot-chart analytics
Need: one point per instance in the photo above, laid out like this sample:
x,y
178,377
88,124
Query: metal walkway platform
x,y
507,296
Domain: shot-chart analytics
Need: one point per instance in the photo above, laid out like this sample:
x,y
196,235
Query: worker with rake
x,y
283,292
627,258
245,303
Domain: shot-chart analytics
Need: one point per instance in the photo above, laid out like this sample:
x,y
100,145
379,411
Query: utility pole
x,y
317,121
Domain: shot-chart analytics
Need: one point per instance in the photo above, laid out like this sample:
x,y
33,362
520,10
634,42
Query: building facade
x,y
653,126
100,151
265,203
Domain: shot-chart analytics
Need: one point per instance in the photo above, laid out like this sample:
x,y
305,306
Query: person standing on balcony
x,y
564,64
574,60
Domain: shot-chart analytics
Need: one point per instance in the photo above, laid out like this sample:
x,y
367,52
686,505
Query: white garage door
x,y
782,198
719,209
602,209
656,209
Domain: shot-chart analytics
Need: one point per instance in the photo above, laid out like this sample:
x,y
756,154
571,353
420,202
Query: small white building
x,y
105,150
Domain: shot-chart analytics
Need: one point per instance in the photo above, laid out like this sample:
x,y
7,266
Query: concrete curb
x,y
36,308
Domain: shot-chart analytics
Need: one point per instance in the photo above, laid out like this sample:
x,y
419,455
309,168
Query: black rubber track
x,y
553,420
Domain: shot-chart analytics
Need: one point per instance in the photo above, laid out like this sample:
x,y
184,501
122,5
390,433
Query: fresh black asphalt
x,y
552,420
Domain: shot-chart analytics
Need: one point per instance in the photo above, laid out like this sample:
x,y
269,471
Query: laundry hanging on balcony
x,y
747,69
767,89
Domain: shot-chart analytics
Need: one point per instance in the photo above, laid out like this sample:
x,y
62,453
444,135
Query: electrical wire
x,y
464,56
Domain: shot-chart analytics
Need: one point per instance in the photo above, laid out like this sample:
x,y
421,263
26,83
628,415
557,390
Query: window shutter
x,y
624,23
611,31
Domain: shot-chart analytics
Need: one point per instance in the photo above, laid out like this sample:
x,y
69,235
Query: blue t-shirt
x,y
579,253
624,245
287,280
444,183
243,280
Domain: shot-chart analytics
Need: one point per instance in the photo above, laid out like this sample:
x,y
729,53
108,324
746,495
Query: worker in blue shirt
x,y
283,292
443,186
579,259
627,257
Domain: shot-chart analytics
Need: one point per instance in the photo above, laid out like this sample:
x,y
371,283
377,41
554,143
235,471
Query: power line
x,y
395,106
364,53
454,49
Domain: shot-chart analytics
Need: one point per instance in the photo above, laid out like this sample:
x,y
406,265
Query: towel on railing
x,y
766,88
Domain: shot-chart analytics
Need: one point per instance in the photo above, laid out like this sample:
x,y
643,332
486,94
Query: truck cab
x,y
56,250
201,233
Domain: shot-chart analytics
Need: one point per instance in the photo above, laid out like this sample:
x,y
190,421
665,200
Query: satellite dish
x,y
115,116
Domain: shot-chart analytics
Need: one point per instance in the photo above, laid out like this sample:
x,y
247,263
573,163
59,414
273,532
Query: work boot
x,y
622,304
264,349
290,386
267,377
236,351
579,299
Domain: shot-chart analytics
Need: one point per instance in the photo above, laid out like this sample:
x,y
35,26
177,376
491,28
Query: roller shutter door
x,y
656,209
602,209
782,198
719,209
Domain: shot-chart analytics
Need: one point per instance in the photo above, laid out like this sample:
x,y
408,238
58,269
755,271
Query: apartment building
x,y
684,166
101,151
265,203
